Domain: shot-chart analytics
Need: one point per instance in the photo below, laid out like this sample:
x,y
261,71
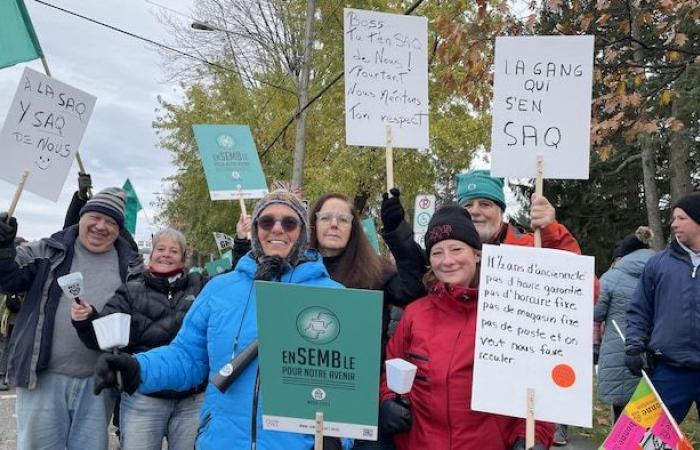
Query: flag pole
x,y
18,192
653,389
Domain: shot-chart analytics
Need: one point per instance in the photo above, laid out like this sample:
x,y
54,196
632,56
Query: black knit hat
x,y
451,222
110,201
636,241
690,204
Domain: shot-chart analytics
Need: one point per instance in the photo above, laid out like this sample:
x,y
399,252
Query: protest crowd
x,y
462,329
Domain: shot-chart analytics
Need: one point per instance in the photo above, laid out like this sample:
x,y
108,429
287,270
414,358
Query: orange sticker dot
x,y
563,375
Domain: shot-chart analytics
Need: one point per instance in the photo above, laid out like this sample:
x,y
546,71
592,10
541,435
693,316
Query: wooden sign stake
x,y
318,442
18,192
538,191
530,419
244,212
389,160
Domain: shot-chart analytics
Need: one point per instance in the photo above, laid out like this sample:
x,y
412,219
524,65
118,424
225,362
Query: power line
x,y
157,44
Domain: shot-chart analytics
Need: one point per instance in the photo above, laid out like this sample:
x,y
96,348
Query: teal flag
x,y
133,206
371,232
18,41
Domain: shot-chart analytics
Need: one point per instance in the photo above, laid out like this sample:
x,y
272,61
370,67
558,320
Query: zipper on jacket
x,y
695,269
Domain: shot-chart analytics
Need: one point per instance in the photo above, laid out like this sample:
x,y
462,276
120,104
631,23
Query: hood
x,y
310,268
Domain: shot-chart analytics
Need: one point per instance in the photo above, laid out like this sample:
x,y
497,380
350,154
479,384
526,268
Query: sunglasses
x,y
289,223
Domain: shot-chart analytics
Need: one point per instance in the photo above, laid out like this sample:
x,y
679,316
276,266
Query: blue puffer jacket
x,y
664,316
223,313
615,382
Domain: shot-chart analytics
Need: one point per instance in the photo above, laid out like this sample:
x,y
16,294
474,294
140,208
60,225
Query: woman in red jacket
x,y
437,334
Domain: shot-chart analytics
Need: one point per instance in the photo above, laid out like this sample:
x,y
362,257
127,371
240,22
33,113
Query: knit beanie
x,y
110,202
636,241
451,222
282,197
480,184
690,204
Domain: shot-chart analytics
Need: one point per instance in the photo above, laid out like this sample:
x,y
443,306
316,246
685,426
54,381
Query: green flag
x,y
18,41
133,206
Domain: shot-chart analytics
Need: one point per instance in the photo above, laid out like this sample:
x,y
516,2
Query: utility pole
x,y
300,141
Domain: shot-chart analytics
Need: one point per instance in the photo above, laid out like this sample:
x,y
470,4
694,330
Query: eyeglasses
x,y
289,223
327,217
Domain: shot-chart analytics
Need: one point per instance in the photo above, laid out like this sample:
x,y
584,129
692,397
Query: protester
x,y
337,233
483,196
663,323
48,364
437,334
157,301
10,305
615,383
223,320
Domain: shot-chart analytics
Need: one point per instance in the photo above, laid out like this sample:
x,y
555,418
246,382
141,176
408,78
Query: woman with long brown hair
x,y
350,259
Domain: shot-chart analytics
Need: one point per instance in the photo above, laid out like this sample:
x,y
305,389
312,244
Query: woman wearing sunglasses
x,y
350,259
222,322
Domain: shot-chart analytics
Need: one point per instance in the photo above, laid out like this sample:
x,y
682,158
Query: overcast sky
x,y
126,77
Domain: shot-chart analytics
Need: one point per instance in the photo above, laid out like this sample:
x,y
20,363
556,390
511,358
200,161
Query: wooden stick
x,y
538,191
389,160
318,441
244,212
530,419
18,192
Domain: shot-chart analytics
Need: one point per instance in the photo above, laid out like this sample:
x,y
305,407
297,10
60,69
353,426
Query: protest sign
x,y
371,231
542,106
223,240
319,352
423,210
230,160
42,132
218,266
534,330
386,79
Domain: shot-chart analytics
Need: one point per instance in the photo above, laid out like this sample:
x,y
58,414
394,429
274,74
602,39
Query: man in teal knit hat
x,y
482,195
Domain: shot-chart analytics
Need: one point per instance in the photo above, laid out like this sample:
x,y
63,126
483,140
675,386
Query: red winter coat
x,y
437,333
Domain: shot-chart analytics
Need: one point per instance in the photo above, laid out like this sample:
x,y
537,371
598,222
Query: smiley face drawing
x,y
43,161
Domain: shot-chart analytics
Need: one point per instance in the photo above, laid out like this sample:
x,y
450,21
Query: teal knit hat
x,y
480,184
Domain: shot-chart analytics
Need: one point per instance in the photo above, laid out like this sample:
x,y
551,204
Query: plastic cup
x,y
400,375
112,331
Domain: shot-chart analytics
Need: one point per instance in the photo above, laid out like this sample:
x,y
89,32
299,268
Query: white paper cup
x,y
71,284
399,375
112,331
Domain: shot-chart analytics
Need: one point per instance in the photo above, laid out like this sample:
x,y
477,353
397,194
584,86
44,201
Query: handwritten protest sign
x,y
231,162
42,132
319,352
386,79
542,106
534,330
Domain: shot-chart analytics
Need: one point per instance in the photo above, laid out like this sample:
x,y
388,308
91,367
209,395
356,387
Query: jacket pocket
x,y
422,362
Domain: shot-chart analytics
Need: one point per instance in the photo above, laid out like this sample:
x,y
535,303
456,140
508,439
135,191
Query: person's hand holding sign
x,y
243,226
542,213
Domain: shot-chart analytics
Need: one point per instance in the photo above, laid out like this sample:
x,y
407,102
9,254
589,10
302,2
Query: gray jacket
x,y
615,382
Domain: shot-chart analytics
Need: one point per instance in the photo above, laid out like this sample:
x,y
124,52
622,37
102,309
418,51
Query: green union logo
x,y
318,325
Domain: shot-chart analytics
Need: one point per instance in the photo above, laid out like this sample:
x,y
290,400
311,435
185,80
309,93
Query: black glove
x,y
13,303
392,212
394,417
84,185
520,445
107,366
596,353
636,362
8,231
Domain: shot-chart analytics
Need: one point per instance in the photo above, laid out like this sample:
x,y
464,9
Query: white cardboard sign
x,y
42,132
386,79
542,106
422,212
534,330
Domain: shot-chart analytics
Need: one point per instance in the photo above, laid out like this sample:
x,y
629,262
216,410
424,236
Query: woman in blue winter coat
x,y
221,323
615,383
